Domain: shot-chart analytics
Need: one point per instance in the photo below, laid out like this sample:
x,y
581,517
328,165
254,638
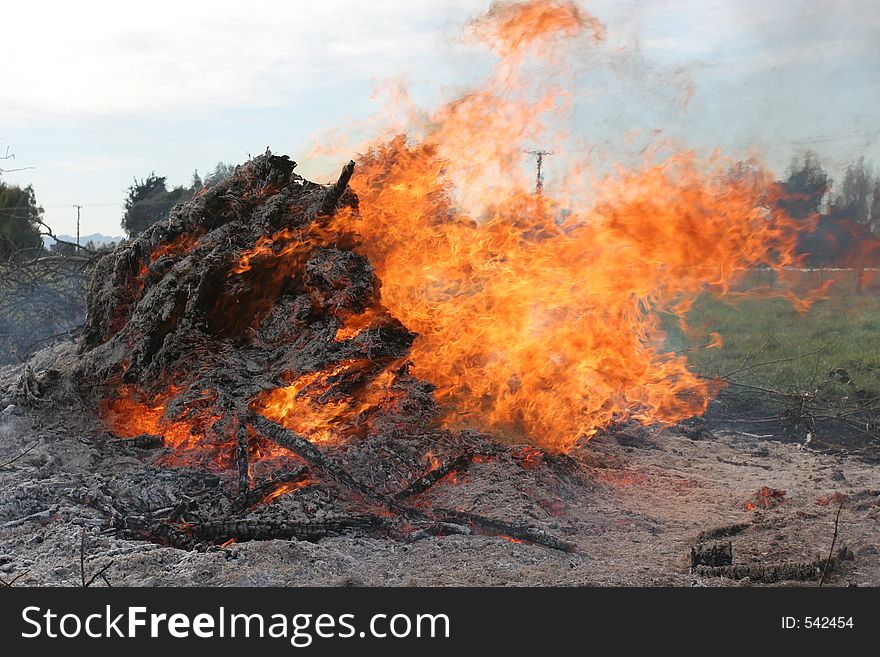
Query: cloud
x,y
110,58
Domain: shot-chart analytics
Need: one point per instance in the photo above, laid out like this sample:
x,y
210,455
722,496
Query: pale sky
x,y
93,94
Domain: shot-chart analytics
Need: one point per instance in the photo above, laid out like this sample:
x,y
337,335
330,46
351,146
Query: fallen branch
x,y
771,573
773,362
326,466
24,453
241,457
517,531
722,532
222,531
82,564
144,441
833,541
10,582
430,478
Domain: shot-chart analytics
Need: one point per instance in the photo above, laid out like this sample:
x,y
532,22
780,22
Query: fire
x,y
353,325
284,244
311,407
131,414
283,489
179,245
539,316
431,460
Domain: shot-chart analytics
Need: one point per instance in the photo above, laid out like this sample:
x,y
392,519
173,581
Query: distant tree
x,y
19,221
149,201
856,196
805,188
63,249
875,207
219,173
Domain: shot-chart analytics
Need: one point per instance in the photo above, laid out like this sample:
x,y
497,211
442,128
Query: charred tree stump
x,y
712,554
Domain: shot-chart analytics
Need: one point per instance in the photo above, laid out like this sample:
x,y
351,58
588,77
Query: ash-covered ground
x,y
634,501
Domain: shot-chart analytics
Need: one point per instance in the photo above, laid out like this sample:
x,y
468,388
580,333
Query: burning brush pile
x,y
246,337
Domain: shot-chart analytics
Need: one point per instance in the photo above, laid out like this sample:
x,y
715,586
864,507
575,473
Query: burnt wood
x,y
430,478
260,491
712,554
327,466
144,441
775,572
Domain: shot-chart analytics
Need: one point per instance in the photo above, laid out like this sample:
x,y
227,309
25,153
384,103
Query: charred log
x,y
255,530
511,530
326,466
778,572
334,193
712,554
241,458
144,441
430,478
723,532
262,490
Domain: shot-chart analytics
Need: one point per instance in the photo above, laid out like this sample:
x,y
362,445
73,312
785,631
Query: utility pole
x,y
78,208
539,178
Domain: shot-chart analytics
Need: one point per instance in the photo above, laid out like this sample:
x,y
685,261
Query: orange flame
x,y
129,414
308,407
285,488
181,244
538,316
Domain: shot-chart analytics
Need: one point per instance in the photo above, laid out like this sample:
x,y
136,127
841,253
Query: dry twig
x,y
833,541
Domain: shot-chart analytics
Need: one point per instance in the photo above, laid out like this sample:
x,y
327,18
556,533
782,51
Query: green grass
x,y
844,333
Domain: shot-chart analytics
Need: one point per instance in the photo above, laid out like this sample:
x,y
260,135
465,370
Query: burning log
x,y
325,466
259,492
430,478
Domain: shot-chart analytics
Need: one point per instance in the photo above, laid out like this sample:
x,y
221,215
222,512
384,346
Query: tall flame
x,y
539,316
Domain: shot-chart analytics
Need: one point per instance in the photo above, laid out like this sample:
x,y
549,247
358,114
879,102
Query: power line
x,y
85,205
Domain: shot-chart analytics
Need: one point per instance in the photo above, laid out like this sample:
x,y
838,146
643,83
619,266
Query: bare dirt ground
x,y
634,501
